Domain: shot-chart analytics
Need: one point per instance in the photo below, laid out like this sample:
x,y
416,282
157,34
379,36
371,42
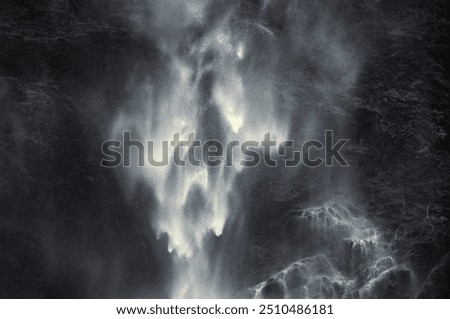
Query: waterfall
x,y
230,71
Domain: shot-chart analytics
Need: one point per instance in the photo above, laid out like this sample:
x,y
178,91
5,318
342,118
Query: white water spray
x,y
222,80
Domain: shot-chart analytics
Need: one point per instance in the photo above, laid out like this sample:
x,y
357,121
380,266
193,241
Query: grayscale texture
x,y
74,74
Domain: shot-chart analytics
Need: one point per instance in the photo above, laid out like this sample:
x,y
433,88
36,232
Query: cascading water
x,y
205,92
94,205
235,72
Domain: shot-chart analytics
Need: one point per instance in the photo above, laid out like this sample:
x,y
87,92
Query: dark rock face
x,y
394,283
72,229
351,260
273,290
437,284
67,231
